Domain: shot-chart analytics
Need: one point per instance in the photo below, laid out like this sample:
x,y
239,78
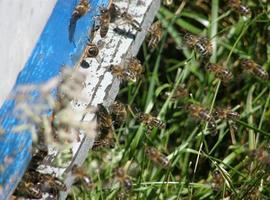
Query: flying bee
x,y
220,72
226,114
135,66
201,44
105,19
238,6
123,178
252,67
204,115
122,73
80,10
118,111
150,121
157,157
106,130
155,34
217,181
28,189
81,176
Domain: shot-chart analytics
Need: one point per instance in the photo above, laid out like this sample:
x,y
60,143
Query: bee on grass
x,y
157,157
203,115
150,121
252,67
261,155
80,10
81,176
119,111
217,180
179,93
155,34
239,7
220,72
123,178
226,114
106,129
201,44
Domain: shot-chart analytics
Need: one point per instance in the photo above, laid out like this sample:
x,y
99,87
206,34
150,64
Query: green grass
x,y
194,154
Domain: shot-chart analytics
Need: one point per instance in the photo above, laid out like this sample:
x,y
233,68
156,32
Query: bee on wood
x,y
28,189
80,10
157,157
49,183
91,50
150,121
239,7
122,73
123,178
81,176
119,111
105,19
220,72
251,67
37,157
131,21
203,115
106,130
201,44
115,12
155,34
217,181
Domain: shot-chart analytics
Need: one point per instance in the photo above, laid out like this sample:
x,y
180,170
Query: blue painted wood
x,y
52,51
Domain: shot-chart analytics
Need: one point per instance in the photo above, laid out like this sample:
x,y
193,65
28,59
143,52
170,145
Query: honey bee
x,y
105,126
220,72
129,20
91,51
122,73
179,93
201,44
80,10
123,178
118,111
105,19
81,176
150,121
260,155
115,12
37,158
49,183
217,181
155,34
135,66
226,114
28,189
238,6
204,115
157,157
252,67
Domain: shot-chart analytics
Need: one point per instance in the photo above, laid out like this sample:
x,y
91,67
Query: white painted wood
x,y
21,23
101,85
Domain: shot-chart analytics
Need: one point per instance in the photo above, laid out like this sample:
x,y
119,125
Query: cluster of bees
x,y
117,113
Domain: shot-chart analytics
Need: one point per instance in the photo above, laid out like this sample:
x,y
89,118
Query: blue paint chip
x,y
52,51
